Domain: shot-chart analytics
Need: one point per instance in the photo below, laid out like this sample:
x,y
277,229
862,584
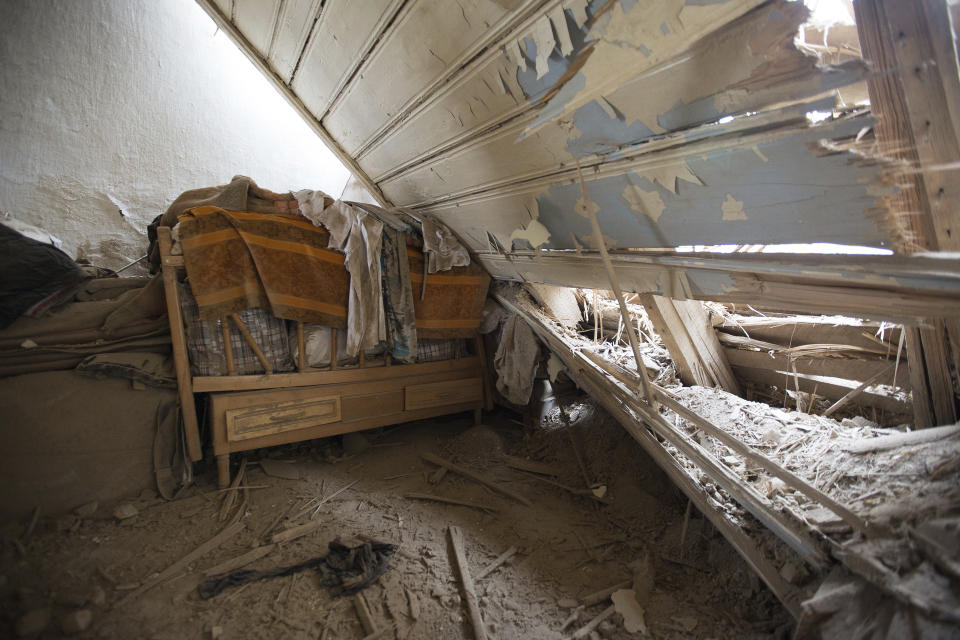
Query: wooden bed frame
x,y
253,411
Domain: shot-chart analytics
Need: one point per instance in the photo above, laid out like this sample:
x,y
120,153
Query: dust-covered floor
x,y
569,546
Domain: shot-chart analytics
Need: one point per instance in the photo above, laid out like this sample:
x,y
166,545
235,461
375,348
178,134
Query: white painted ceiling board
x,y
423,44
295,21
256,19
345,31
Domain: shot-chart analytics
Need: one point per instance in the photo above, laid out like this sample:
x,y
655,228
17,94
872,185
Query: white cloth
x,y
443,250
517,353
359,236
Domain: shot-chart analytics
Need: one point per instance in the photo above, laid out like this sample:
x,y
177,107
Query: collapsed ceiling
x,y
688,120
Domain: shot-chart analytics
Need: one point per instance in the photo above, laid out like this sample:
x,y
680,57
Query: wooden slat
x,y
858,369
878,287
823,389
426,41
800,330
256,19
249,383
294,25
224,23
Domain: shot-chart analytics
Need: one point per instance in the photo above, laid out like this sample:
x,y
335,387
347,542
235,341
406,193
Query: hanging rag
x,y
517,355
359,236
398,297
442,248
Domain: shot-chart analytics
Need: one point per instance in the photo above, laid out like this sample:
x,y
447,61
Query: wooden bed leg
x,y
223,471
478,416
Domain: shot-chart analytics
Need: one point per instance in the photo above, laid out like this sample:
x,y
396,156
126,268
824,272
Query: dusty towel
x,y
241,194
359,235
238,260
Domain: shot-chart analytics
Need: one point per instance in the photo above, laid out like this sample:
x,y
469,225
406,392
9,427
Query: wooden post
x,y
591,213
180,359
915,92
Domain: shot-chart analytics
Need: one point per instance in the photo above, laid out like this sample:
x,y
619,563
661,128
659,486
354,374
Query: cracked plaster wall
x,y
120,105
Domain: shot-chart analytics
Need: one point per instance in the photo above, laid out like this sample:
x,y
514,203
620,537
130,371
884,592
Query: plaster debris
x,y
586,208
542,35
648,203
534,233
554,367
578,8
625,603
668,176
559,21
733,209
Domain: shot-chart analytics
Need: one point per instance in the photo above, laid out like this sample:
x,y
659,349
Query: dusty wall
x,y
111,108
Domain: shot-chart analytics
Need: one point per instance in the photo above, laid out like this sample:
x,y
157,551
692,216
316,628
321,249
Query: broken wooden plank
x,y
363,612
296,532
456,501
832,390
240,561
466,583
604,594
875,287
856,392
847,368
182,563
493,566
595,383
909,438
522,464
477,477
691,341
586,629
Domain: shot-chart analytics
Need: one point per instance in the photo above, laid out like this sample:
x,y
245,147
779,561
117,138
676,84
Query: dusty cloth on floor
x,y
359,236
152,369
452,304
205,341
515,361
241,194
442,248
33,275
346,570
398,301
237,260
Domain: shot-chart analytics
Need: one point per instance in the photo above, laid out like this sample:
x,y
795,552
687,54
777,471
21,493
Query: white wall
x,y
120,105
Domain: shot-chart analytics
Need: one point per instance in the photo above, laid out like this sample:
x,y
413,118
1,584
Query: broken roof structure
x,y
687,123
640,147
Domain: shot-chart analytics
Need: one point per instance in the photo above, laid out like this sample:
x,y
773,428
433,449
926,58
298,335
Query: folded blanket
x,y
241,194
238,260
